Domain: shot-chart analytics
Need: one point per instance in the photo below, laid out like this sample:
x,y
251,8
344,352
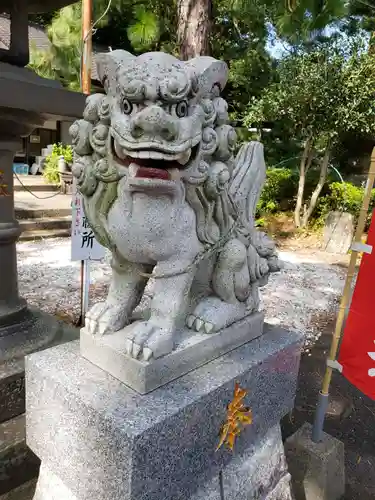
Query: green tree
x,y
317,96
133,25
362,16
62,60
296,22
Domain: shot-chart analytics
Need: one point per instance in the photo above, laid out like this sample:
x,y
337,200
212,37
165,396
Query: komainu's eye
x,y
182,109
127,106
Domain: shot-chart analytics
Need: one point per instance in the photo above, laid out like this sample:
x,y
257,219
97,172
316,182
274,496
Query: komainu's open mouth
x,y
150,163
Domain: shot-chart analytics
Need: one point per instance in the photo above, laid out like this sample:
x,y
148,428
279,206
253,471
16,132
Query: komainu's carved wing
x,y
247,180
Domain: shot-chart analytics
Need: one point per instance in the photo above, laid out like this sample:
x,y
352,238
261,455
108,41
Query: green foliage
x,y
361,17
62,60
299,23
343,197
240,31
306,96
304,24
131,25
316,98
51,170
279,190
145,30
320,94
322,87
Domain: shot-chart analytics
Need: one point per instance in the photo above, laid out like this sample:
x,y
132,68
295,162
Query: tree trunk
x,y
319,187
304,165
194,28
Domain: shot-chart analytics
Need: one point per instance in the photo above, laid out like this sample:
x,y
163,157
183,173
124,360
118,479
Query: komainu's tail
x,y
247,181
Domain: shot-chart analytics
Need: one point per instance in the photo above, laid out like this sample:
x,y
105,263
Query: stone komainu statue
x,y
163,191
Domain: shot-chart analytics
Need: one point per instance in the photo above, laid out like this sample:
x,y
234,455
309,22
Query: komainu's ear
x,y
212,75
107,64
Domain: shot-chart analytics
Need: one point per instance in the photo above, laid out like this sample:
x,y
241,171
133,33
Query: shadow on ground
x,y
351,416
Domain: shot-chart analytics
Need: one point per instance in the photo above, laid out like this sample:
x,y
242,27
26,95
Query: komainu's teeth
x,y
133,154
174,174
133,168
144,154
149,154
184,158
156,155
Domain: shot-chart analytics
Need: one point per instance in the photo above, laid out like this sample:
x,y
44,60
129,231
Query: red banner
x,y
357,353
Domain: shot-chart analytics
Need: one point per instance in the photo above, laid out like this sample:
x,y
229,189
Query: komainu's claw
x,y
147,353
149,341
208,327
214,314
190,320
198,324
105,318
129,347
136,350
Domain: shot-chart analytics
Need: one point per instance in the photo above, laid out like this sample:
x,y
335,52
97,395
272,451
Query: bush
x,y
345,197
51,166
279,191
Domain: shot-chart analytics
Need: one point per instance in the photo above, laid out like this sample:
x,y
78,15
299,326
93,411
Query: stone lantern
x,y
26,102
18,53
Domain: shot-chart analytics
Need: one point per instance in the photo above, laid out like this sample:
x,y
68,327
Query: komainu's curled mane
x,y
154,159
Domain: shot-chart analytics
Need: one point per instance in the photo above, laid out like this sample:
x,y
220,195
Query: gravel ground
x,y
299,297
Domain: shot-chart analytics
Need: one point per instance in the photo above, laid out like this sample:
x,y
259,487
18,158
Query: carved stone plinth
x,y
98,439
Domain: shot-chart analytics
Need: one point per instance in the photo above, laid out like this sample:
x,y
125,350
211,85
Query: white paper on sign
x,y
84,245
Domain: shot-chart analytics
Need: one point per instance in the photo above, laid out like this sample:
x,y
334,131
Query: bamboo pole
x,y
323,396
86,89
87,45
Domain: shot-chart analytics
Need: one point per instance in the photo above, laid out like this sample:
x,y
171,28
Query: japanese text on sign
x,y
84,244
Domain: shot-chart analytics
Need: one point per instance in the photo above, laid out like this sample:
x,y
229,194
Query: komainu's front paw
x,y
148,340
105,318
212,314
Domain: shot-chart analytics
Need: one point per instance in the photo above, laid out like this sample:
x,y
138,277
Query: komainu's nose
x,y
153,121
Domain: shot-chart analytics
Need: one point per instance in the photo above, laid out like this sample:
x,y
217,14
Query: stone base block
x,y
24,492
37,332
192,350
18,463
259,473
338,232
317,469
98,439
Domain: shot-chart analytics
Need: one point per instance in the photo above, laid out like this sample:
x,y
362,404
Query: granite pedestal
x,y
98,439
